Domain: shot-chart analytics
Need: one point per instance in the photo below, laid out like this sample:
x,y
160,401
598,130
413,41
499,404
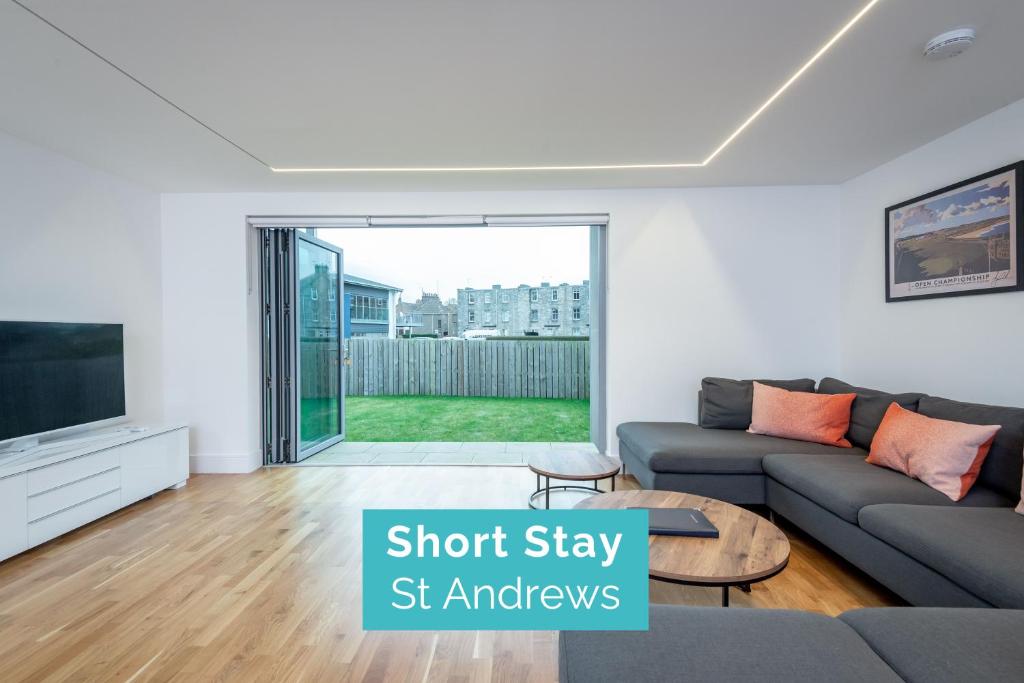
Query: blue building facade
x,y
369,308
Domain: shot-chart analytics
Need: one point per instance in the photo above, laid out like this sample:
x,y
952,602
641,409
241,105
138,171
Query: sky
x,y
979,201
444,259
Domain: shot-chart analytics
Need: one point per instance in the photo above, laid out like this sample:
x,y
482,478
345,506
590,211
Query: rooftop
x,y
362,281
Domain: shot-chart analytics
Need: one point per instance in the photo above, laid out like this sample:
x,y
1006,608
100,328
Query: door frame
x,y
597,222
280,373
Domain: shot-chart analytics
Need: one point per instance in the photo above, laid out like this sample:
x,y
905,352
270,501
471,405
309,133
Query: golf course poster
x,y
967,238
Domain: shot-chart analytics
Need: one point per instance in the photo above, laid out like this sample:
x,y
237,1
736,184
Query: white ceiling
x,y
493,83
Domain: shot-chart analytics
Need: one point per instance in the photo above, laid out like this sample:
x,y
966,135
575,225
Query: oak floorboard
x,y
257,578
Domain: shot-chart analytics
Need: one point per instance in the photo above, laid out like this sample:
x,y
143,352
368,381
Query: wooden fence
x,y
457,367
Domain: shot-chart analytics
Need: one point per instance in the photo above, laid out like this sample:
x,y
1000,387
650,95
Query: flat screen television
x,y
59,375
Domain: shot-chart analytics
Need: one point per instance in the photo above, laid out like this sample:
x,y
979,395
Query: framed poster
x,y
967,238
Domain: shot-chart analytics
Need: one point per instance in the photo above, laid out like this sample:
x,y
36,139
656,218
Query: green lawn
x,y
448,418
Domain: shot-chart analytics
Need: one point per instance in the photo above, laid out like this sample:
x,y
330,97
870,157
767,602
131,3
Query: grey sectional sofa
x,y
908,536
926,645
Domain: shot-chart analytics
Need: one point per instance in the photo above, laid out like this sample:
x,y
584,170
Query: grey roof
x,y
356,280
429,304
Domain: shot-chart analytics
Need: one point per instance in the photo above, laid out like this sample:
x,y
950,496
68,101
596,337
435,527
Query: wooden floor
x,y
257,578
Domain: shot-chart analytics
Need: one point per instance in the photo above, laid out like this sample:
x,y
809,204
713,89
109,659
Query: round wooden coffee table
x,y
748,549
570,467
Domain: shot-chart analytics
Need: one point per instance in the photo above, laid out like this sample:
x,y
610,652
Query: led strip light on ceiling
x,y
481,169
607,167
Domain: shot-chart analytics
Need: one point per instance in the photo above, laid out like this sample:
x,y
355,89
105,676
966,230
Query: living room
x,y
744,216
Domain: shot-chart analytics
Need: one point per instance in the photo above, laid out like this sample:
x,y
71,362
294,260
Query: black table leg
x,y
725,596
547,493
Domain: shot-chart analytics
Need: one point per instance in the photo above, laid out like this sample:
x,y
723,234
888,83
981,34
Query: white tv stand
x,y
61,485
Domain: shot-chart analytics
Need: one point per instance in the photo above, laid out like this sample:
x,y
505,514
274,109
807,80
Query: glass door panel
x,y
303,399
319,293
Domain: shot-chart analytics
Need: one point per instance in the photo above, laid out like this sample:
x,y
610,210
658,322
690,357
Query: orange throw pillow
x,y
1020,505
800,415
945,455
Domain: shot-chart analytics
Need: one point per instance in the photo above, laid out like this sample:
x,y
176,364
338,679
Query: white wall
x,y
734,282
727,281
82,245
967,348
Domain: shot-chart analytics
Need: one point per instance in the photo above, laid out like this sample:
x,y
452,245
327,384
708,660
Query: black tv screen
x,y
58,375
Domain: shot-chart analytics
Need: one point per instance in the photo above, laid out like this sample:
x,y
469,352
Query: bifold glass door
x,y
302,287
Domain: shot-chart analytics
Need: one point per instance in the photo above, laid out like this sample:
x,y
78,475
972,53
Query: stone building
x,y
546,310
428,316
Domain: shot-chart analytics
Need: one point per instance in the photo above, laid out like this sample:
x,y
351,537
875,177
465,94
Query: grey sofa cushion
x,y
1002,468
714,644
733,487
868,408
941,645
726,403
908,578
687,448
843,484
981,549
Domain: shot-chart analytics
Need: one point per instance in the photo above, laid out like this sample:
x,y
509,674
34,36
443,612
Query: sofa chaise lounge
x,y
911,538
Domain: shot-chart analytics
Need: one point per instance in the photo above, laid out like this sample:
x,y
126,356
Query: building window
x,y
334,316
554,295
534,295
313,294
487,317
554,315
576,313
487,298
471,297
576,332
330,293
368,308
472,316
534,315
506,316
576,294
504,297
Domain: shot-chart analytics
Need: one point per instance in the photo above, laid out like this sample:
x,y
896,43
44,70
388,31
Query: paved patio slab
x,y
513,453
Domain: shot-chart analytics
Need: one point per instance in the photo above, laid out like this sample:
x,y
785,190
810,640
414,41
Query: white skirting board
x,y
225,463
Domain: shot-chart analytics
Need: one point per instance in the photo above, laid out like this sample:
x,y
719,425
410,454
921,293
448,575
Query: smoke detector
x,y
949,44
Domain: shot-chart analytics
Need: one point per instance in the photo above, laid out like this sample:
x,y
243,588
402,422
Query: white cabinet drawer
x,y
52,476
153,464
46,528
13,534
69,495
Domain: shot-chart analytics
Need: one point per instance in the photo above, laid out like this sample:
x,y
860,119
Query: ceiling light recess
x,y
607,167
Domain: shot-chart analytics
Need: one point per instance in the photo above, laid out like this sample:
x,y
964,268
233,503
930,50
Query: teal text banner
x,y
504,570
